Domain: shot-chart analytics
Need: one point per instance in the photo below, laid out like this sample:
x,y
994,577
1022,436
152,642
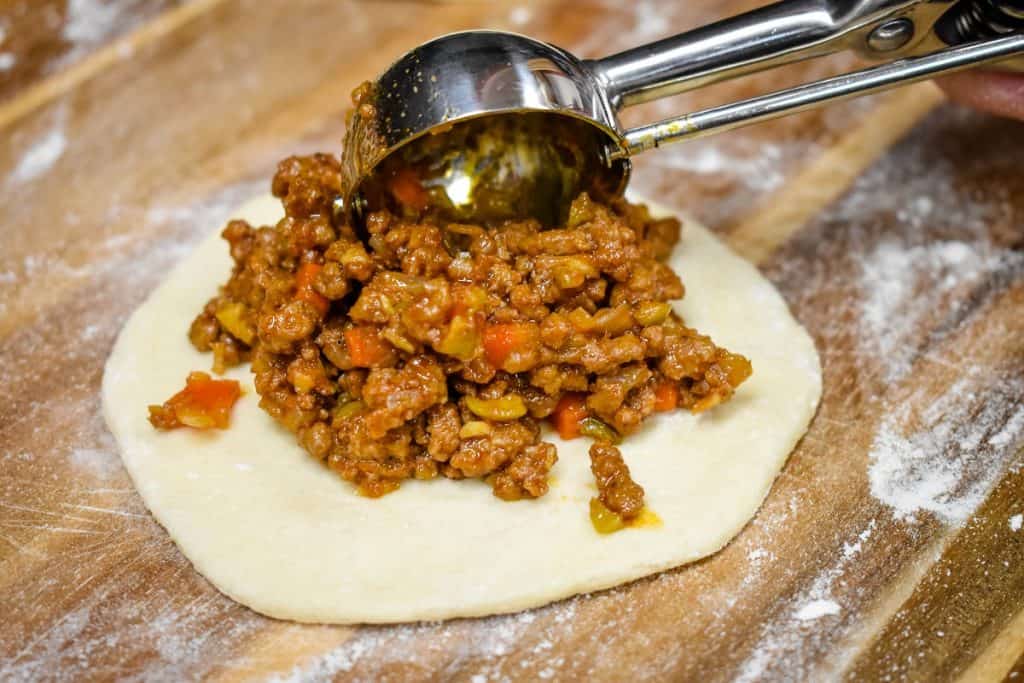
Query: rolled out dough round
x,y
277,531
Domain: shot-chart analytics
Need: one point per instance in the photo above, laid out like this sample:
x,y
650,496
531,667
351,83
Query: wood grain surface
x,y
890,547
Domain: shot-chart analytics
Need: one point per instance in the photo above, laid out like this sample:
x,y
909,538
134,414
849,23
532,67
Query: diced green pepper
x,y
505,409
652,312
598,430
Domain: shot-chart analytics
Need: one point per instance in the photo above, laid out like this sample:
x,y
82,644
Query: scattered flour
x,y
72,485
7,61
817,609
758,165
757,554
919,282
50,643
904,285
785,634
89,22
1012,430
489,638
937,461
520,15
652,21
963,444
926,255
479,646
851,550
636,23
122,255
42,154
102,464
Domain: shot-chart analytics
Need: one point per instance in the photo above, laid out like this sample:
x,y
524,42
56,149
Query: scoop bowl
x,y
495,126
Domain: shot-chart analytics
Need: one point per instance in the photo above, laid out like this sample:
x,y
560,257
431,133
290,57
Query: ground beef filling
x,y
416,348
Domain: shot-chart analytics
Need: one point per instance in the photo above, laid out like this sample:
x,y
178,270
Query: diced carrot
x,y
366,348
502,339
666,396
304,291
569,414
204,403
406,188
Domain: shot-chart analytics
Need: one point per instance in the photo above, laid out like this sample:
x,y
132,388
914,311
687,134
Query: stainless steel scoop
x,y
490,125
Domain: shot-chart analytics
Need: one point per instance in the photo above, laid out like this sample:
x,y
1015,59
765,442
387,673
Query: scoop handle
x,y
766,37
811,95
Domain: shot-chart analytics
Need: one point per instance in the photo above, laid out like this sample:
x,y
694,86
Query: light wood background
x,y
889,547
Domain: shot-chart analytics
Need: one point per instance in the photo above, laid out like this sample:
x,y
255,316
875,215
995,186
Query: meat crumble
x,y
414,348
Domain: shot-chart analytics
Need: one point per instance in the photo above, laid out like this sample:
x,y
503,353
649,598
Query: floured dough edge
x,y
280,533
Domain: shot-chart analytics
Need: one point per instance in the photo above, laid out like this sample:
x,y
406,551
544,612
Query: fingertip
x,y
994,92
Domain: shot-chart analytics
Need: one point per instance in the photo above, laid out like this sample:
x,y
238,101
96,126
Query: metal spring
x,y
972,20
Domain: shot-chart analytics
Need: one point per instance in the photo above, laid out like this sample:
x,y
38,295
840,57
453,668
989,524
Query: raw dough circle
x,y
279,532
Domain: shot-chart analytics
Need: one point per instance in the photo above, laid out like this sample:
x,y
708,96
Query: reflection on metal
x,y
449,106
892,35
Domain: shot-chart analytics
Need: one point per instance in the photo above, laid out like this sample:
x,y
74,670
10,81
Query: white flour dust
x,y
89,23
482,646
77,487
817,609
908,278
1013,428
126,256
631,24
100,463
651,21
177,638
43,151
852,549
794,628
489,638
1016,522
904,285
942,460
7,59
520,15
758,165
930,255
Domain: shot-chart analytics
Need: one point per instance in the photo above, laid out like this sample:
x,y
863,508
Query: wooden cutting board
x,y
890,547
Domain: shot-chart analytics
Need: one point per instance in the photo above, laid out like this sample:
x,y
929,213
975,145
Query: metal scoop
x,y
489,126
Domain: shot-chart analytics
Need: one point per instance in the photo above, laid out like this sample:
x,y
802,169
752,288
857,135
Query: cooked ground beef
x,y
419,348
615,488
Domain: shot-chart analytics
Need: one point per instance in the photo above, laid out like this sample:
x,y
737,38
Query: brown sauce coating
x,y
417,348
615,488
